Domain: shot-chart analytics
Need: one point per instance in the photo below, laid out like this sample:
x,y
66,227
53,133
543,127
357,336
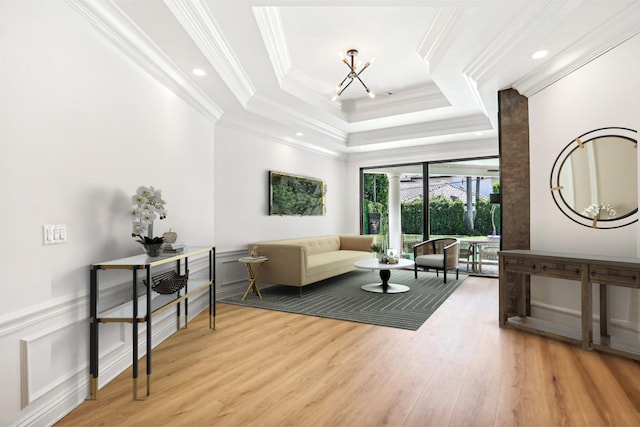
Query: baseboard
x,y
617,327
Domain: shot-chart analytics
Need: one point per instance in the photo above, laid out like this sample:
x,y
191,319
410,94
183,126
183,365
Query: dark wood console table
x,y
516,269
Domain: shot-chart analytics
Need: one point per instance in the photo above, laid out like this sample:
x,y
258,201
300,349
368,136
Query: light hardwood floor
x,y
276,369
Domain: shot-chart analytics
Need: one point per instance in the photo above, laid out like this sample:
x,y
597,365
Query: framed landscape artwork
x,y
295,195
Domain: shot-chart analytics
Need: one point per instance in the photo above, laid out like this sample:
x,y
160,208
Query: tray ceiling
x,y
273,66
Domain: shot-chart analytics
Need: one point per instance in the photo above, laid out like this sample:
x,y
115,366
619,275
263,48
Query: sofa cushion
x,y
433,260
356,243
317,245
312,245
327,262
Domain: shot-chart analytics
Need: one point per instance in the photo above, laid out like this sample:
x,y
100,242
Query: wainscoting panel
x,y
231,275
50,345
45,362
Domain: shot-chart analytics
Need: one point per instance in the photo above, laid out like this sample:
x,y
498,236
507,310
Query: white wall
x,y
242,162
81,127
603,93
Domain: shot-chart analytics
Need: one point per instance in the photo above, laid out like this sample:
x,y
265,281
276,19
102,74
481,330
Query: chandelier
x,y
353,74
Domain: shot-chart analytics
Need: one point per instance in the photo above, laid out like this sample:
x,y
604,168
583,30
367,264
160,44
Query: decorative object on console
x,y
170,236
171,246
152,246
148,206
168,282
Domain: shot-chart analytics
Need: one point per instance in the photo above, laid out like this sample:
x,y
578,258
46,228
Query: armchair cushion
x,y
433,261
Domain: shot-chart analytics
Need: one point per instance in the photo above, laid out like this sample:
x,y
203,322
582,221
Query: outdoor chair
x,y
488,255
440,254
467,254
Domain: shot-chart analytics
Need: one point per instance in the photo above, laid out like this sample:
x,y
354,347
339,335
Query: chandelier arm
x,y
343,89
344,80
350,66
363,68
360,80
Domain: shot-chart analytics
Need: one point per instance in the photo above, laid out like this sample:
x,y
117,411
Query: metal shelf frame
x,y
151,305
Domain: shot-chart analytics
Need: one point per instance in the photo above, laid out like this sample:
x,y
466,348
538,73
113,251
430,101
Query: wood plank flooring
x,y
459,369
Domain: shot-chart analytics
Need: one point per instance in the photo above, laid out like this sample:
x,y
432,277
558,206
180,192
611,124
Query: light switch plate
x,y
53,234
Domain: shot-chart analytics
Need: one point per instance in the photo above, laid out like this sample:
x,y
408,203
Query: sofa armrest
x,y
286,266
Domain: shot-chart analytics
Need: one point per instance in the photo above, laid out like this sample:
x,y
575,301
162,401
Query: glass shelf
x,y
124,311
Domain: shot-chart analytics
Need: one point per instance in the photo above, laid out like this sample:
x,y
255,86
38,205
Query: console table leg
x,y
522,295
587,317
93,335
604,317
93,388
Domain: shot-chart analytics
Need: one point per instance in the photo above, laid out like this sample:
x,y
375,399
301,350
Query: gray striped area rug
x,y
341,298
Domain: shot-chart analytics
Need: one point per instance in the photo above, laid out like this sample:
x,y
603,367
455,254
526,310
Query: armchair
x,y
437,254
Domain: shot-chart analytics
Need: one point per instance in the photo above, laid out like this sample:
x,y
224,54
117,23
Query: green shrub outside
x,y
446,217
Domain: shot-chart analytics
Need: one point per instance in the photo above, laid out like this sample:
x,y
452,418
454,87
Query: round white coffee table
x,y
385,273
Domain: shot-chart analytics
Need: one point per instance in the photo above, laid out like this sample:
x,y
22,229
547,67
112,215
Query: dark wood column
x,y
513,123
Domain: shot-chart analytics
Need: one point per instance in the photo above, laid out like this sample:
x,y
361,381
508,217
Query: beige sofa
x,y
299,262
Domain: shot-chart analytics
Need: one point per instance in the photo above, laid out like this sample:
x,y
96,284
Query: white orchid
x,y
148,206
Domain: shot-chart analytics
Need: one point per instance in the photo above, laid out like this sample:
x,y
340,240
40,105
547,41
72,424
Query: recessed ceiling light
x,y
540,54
199,72
299,134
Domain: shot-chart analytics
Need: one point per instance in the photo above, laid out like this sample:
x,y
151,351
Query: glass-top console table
x,y
151,302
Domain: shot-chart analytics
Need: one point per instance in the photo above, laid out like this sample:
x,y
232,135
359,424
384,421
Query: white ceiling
x,y
273,65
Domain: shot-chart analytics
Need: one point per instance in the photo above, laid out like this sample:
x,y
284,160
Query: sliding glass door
x,y
464,203
406,204
393,206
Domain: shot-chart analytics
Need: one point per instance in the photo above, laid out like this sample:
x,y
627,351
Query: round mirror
x,y
594,180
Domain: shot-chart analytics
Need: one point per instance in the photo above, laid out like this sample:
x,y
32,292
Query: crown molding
x,y
203,29
439,37
425,98
534,15
131,40
294,86
612,33
283,114
448,150
270,27
418,131
272,135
